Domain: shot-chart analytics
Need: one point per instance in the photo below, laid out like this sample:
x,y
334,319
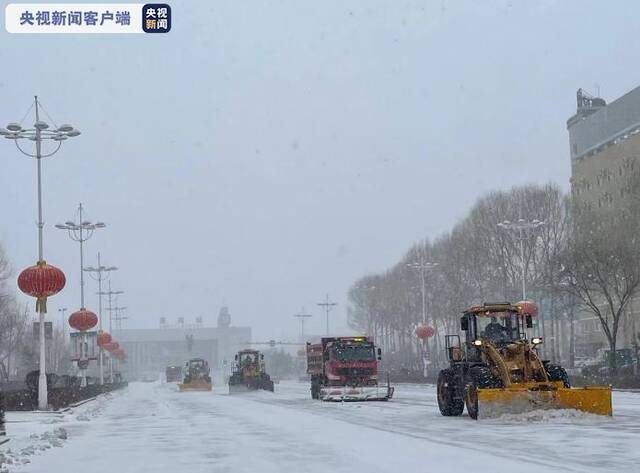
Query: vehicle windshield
x,y
501,328
354,353
246,358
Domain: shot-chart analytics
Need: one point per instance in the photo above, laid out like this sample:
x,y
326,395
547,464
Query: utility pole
x,y
301,316
327,305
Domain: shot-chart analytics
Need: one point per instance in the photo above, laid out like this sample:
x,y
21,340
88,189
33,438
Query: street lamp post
x,y
40,132
110,293
327,308
63,311
81,231
97,274
423,267
118,317
521,228
301,316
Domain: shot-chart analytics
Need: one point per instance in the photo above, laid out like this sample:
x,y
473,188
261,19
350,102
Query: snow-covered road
x,y
151,427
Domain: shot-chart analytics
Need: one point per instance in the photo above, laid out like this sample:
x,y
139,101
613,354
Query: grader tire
x,y
481,377
447,403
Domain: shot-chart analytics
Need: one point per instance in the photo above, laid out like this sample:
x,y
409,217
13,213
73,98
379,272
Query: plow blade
x,y
239,388
516,400
196,386
246,387
359,393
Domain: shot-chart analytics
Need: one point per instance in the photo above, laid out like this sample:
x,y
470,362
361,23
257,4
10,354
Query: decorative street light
x,y
423,267
110,293
301,316
98,275
327,308
522,228
81,231
63,311
44,275
118,317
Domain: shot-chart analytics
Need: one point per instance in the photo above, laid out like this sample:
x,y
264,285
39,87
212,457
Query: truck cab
x,y
345,368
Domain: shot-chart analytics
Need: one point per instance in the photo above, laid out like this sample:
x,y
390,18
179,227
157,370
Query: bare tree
x,y
602,266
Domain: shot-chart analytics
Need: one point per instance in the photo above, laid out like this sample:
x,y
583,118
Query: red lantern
x,y
111,346
83,320
527,308
103,338
424,331
41,281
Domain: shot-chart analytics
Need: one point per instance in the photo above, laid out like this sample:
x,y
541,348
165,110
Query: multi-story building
x,y
604,144
151,350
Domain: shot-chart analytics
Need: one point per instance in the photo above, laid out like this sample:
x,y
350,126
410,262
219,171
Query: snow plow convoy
x,y
346,369
249,373
497,369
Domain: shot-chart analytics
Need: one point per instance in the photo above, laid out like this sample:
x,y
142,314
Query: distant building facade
x,y
150,351
604,142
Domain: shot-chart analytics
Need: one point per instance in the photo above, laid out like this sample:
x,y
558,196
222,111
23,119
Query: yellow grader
x,y
249,373
498,370
197,376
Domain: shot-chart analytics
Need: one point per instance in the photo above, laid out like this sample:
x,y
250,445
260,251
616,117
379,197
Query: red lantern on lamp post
x,y
424,332
41,281
39,133
103,339
111,348
527,308
83,320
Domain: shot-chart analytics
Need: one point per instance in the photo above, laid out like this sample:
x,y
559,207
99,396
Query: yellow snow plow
x,y
498,369
197,376
493,402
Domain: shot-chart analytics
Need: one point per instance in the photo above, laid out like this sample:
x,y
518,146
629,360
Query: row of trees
x,y
581,259
18,350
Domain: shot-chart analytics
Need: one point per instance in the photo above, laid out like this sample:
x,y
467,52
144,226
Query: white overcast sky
x,y
264,153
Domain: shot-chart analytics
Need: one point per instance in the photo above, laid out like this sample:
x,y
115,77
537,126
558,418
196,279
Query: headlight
x,y
536,340
477,342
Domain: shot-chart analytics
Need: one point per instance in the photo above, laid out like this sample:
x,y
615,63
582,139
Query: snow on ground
x,y
153,427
